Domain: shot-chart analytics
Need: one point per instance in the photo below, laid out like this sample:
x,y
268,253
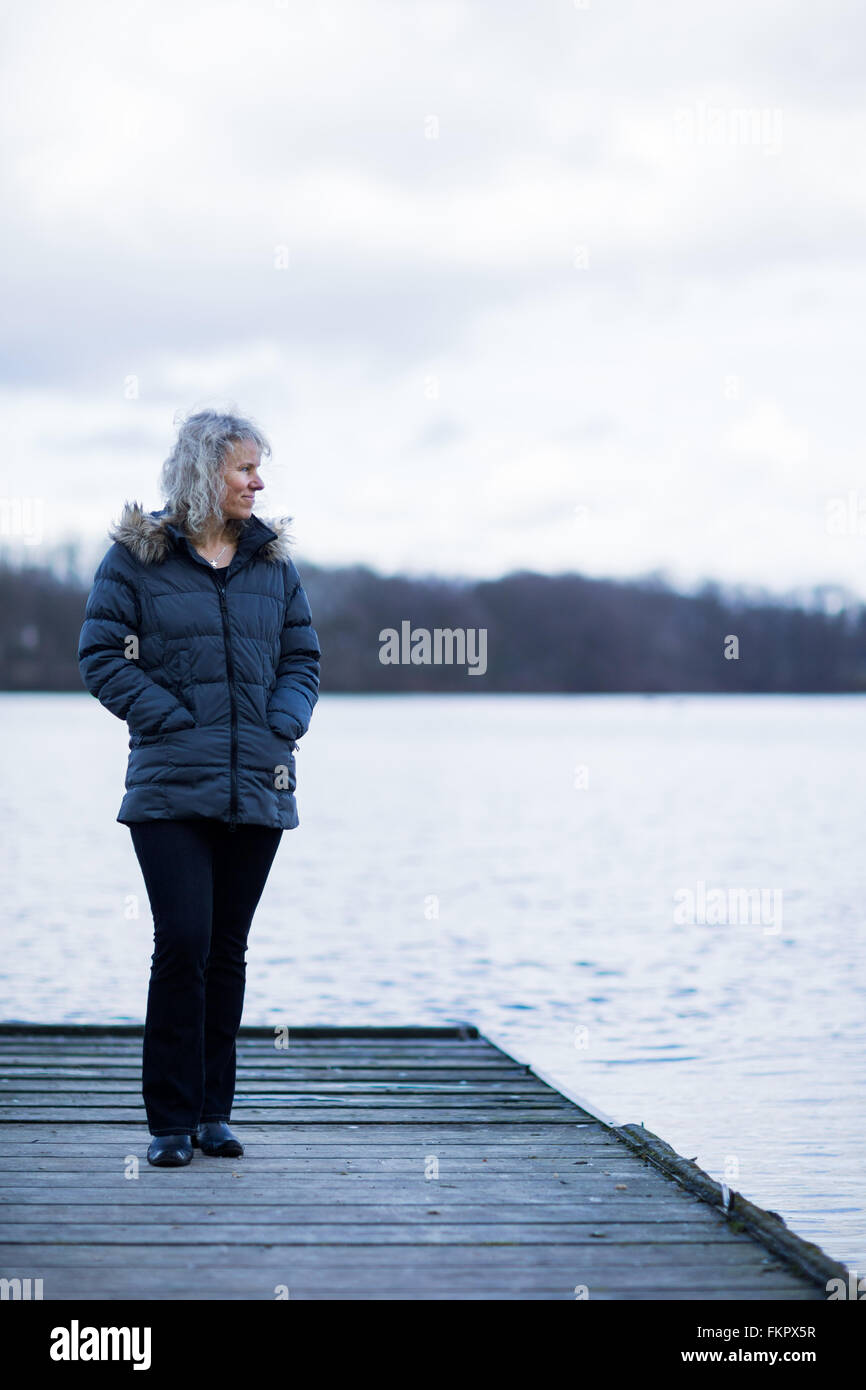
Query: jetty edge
x,y
767,1227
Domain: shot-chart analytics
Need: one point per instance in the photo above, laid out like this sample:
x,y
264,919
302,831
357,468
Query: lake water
x,y
521,862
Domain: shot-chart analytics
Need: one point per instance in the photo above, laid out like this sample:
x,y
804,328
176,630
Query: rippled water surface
x,y
520,862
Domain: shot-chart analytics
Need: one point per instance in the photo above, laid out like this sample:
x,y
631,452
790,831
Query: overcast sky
x,y
547,285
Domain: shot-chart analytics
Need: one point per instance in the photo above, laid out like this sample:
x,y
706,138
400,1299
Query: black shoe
x,y
215,1138
170,1150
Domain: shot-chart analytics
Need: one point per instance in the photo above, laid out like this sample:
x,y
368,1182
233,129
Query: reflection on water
x,y
518,862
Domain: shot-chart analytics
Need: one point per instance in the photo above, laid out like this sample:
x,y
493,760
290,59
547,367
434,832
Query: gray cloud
x,y
626,271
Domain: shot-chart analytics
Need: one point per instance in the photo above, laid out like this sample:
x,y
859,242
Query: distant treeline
x,y
559,633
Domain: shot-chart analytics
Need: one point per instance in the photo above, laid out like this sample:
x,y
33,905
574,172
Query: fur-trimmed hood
x,y
150,535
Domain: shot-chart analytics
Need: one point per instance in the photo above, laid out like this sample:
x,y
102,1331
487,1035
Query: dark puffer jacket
x,y
216,671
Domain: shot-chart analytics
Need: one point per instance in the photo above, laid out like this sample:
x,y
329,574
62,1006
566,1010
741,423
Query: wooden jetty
x,y
381,1163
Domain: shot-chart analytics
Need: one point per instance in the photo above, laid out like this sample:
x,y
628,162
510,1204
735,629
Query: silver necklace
x,y
214,562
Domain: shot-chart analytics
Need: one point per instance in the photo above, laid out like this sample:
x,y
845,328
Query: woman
x,y
198,633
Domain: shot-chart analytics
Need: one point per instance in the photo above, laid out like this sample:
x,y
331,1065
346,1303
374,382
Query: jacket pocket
x,y
143,740
281,739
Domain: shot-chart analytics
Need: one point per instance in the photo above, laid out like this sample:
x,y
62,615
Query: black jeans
x,y
204,882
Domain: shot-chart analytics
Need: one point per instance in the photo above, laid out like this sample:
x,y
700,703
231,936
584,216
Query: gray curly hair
x,y
192,476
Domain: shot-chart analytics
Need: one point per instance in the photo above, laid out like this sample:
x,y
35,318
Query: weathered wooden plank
x,y
412,1208
438,1231
64,1092
466,1266
276,1039
339,1205
108,1176
479,1065
281,1062
270,1141
272,1071
23,1137
451,1202
368,1286
329,1031
255,1056
575,1209
127,1094
124,1286
678,1265
449,1189
336,1051
340,1160
675,1266
102,1287
342,1185
49,1080
326,1113
126,1072
299,1158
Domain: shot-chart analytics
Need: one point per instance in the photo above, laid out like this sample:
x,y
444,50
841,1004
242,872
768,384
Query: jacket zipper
x,y
230,671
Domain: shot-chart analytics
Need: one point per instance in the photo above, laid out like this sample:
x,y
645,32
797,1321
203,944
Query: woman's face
x,y
241,473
